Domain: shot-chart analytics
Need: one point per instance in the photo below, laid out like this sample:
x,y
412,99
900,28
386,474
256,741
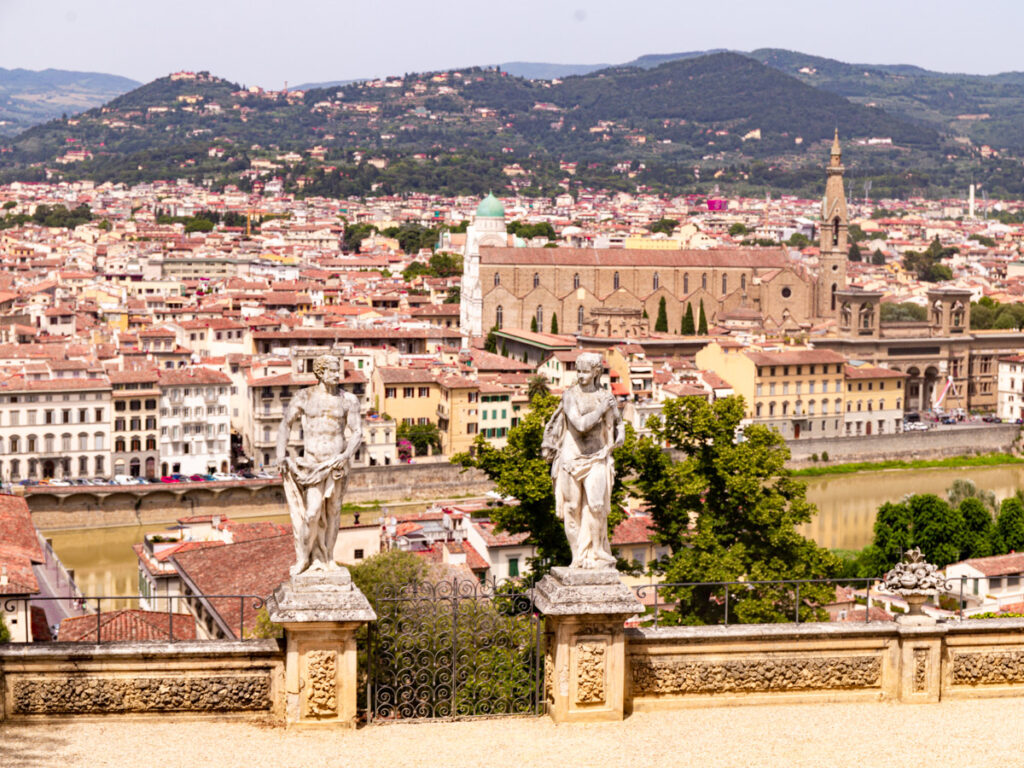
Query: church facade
x,y
618,292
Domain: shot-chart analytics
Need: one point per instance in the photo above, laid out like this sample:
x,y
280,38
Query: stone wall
x,y
934,444
215,679
85,507
703,666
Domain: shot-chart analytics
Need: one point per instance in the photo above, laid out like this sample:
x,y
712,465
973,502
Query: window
x,y
540,319
119,445
357,554
136,444
390,392
408,391
656,281
99,414
151,422
150,404
576,281
497,279
743,282
424,392
99,465
135,405
513,567
579,318
151,443
536,279
499,316
48,417
615,281
98,443
704,281
119,425
31,443
83,465
136,423
119,405
725,283
65,443
686,282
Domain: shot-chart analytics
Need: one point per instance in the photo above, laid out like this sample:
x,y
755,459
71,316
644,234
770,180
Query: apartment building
x,y
799,392
1010,388
195,422
135,397
458,413
54,428
874,400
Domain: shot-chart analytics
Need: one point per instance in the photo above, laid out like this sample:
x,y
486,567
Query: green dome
x,y
491,207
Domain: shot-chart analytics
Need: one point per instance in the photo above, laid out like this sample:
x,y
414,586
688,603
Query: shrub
x,y
814,457
824,455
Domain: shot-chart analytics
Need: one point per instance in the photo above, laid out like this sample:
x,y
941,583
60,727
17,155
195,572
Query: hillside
x,y
28,97
716,119
987,108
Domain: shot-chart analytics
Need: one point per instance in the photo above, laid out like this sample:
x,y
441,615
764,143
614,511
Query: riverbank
x,y
951,462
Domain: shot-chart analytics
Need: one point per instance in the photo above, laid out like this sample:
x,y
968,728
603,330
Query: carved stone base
x,y
921,664
320,613
586,650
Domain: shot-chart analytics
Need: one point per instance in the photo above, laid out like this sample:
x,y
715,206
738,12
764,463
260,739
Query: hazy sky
x,y
266,42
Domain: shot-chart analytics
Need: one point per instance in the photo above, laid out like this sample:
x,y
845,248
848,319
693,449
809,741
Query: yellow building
x,y
799,392
408,395
458,413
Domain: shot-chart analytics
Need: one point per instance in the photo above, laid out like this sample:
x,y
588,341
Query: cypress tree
x,y
554,322
688,327
533,323
661,324
702,329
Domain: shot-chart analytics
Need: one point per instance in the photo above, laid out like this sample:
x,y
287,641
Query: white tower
x,y
488,228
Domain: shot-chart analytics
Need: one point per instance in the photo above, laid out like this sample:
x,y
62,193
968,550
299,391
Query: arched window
x,y
499,316
134,467
497,279
136,444
898,404
881,405
536,279
31,443
771,409
757,410
810,407
266,434
839,405
48,443
98,463
15,468
834,289
540,318
704,281
835,231
83,441
656,281
14,444
725,284
579,317
83,465
824,407
686,282
576,281
119,445
615,281
65,442
151,443
1,448
98,445
743,282
785,407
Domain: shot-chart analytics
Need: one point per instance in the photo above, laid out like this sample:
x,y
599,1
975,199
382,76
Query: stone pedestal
x,y
320,613
585,665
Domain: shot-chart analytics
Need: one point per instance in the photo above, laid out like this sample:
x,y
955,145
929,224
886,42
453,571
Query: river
x,y
105,564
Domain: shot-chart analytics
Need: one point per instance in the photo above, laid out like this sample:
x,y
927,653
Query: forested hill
x,y
722,119
28,97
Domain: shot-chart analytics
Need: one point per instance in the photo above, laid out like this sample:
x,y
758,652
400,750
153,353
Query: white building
x,y
1010,388
992,583
488,228
54,428
195,421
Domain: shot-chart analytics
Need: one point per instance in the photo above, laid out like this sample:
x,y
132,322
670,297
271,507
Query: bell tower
x,y
832,244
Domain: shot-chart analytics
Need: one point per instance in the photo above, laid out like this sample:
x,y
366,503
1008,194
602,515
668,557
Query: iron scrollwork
x,y
453,649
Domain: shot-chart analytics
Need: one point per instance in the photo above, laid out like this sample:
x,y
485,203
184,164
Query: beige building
x,y
55,428
135,396
874,400
799,392
459,414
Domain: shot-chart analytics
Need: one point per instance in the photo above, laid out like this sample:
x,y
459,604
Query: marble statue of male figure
x,y
579,440
314,482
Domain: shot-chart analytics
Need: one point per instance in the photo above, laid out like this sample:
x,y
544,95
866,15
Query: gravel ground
x,y
954,733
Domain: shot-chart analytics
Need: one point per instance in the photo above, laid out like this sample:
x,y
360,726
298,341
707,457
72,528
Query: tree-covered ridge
x,y
681,127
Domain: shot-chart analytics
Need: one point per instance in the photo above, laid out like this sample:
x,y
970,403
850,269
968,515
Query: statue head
x,y
589,366
327,368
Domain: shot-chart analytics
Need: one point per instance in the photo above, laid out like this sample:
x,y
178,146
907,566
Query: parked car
x,y
222,476
28,481
196,478
991,418
264,475
169,479
948,420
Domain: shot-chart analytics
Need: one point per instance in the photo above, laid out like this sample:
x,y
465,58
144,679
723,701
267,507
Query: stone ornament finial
x,y
913,574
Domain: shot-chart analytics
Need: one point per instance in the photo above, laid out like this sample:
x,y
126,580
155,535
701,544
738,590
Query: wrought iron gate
x,y
454,649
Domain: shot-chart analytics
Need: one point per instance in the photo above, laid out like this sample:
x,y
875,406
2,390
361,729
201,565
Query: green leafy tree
x,y
921,520
926,264
422,436
688,328
902,312
388,571
1009,532
538,387
963,489
856,234
5,633
978,528
554,322
661,324
264,627
702,329
519,470
454,295
854,254
798,240
878,258
729,509
738,229
665,226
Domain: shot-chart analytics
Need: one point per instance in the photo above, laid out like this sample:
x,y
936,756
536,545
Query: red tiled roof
x,y
19,546
126,625
633,530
